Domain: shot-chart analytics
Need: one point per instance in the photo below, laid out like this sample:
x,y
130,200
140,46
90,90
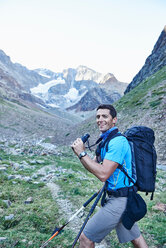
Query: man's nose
x,y
100,118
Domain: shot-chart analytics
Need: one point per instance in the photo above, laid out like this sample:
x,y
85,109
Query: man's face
x,y
104,120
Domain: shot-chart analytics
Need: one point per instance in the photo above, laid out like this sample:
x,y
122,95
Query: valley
x,y
42,183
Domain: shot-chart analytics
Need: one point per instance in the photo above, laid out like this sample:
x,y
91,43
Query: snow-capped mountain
x,y
65,90
69,90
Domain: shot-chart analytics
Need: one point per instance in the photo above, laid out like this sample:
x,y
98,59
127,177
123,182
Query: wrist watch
x,y
82,154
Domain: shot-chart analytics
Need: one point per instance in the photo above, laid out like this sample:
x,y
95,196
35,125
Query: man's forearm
x,y
101,171
94,167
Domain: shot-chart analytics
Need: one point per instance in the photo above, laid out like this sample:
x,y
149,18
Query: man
x,y
109,216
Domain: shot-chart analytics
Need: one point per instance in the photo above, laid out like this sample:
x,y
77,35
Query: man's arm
x,y
101,171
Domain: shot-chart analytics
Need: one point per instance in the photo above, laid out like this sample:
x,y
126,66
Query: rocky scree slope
x,y
19,122
20,116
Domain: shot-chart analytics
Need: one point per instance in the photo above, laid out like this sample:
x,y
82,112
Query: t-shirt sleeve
x,y
117,149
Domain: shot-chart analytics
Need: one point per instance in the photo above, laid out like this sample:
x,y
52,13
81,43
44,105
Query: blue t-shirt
x,y
118,151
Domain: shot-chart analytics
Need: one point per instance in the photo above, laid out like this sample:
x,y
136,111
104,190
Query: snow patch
x,y
43,88
53,105
72,95
44,75
40,105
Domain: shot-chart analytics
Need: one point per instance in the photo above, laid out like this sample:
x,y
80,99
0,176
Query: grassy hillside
x,y
146,105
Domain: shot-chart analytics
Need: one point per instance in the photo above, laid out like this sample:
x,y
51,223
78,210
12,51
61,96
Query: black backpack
x,y
144,157
142,138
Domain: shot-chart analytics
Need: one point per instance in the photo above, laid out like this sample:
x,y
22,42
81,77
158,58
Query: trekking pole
x,y
57,230
90,213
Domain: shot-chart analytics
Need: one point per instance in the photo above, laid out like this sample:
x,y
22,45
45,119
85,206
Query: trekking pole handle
x,y
85,137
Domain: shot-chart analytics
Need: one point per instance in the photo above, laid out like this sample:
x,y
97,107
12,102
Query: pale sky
x,y
113,36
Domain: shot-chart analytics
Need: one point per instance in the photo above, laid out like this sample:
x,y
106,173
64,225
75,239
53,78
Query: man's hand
x,y
78,146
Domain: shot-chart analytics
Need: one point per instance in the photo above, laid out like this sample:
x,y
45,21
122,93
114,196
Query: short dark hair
x,y
111,108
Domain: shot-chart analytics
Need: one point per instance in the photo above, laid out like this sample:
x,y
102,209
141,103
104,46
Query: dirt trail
x,y
66,207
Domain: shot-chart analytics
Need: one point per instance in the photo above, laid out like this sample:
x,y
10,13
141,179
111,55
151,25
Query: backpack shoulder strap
x,y
125,172
106,142
119,166
102,144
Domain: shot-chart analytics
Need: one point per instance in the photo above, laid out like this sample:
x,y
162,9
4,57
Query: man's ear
x,y
114,120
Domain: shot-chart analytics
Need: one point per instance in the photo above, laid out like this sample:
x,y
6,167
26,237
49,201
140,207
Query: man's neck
x,y
110,130
106,133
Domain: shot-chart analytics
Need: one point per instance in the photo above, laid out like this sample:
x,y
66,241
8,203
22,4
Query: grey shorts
x,y
109,218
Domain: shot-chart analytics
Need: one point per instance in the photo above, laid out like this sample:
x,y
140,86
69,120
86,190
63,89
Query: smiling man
x,y
105,168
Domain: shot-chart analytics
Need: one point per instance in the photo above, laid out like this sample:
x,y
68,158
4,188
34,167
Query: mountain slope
x,y
93,98
153,63
26,78
146,105
20,122
13,91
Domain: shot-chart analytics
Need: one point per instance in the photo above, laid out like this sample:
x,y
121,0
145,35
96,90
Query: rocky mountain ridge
x,y
155,61
26,78
68,88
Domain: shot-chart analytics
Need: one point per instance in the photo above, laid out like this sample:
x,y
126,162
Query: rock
x,y
29,200
11,177
3,169
2,239
5,165
27,179
160,207
161,167
9,217
13,151
155,61
13,182
1,211
7,202
24,163
35,176
35,182
17,166
43,154
33,162
24,240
